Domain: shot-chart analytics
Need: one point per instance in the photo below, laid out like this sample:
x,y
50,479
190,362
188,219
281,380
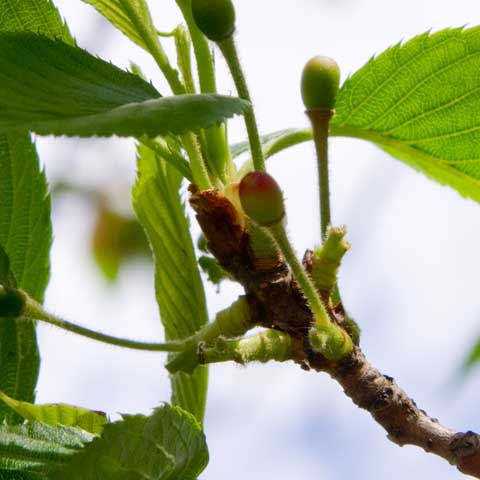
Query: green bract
x,y
320,81
215,18
261,198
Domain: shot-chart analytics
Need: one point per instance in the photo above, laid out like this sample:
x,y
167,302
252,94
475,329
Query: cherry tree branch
x,y
397,413
277,303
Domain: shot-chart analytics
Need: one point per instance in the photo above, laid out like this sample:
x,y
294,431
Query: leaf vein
x,y
388,79
419,85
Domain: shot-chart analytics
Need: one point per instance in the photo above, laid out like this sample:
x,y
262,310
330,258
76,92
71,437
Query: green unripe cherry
x,y
320,82
12,302
261,198
214,18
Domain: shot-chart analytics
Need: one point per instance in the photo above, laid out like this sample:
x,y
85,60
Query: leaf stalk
x,y
35,311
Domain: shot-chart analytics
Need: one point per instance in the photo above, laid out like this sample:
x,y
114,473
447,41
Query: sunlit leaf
x,y
33,450
25,228
131,17
58,414
53,88
25,236
420,101
38,16
178,285
168,445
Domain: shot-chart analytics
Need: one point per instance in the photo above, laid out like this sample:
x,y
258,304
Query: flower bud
x,y
261,198
320,81
214,18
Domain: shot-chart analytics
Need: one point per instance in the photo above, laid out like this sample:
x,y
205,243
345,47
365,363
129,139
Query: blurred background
x,y
411,278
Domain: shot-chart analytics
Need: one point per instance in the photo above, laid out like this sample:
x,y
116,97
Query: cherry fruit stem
x,y
320,119
229,51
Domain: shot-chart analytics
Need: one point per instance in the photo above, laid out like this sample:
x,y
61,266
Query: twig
x,y
276,302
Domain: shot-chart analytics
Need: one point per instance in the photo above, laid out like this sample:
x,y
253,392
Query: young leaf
x,y
131,17
420,101
25,229
38,16
58,414
167,445
178,285
242,147
272,143
36,449
53,88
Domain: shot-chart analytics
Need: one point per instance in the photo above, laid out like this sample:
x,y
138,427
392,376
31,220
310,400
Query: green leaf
x,y
25,229
34,449
167,445
58,414
178,286
131,17
420,102
38,16
272,143
25,236
7,279
241,147
53,88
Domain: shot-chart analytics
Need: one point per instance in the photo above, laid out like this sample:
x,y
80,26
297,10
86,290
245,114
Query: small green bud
x,y
320,81
331,341
261,198
12,302
326,259
214,18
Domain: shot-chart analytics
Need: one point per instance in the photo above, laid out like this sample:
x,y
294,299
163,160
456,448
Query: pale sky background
x,y
410,279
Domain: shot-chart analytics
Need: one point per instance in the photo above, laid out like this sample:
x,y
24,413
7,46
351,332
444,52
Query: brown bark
x,y
276,302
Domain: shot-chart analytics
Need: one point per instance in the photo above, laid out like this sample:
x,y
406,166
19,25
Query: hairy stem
x,y
320,118
229,51
215,136
148,34
205,66
35,312
326,260
170,156
233,321
301,276
197,165
263,347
